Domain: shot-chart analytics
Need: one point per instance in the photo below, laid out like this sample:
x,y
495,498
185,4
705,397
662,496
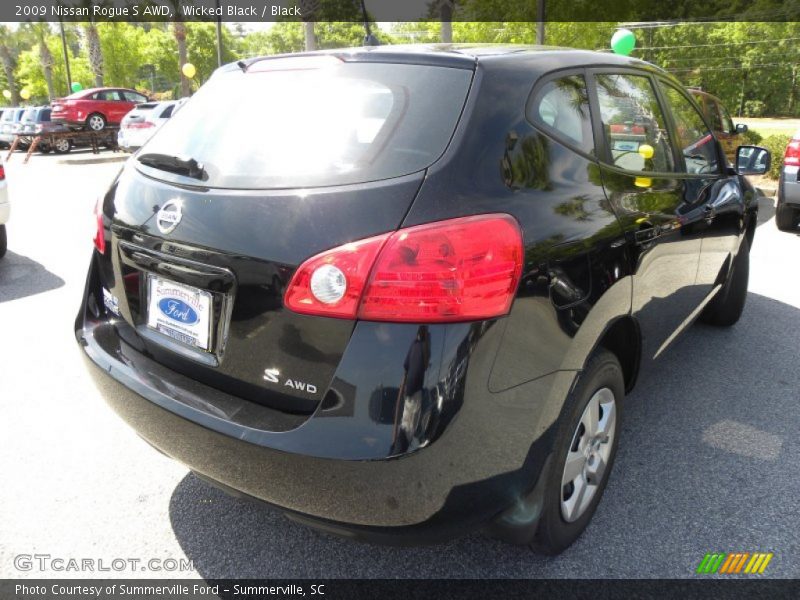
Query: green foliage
x,y
754,108
751,138
754,67
776,144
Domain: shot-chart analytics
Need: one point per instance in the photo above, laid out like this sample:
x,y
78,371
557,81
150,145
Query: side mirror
x,y
752,160
741,128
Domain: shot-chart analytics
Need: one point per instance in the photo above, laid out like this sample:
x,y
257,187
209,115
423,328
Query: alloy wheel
x,y
96,123
588,456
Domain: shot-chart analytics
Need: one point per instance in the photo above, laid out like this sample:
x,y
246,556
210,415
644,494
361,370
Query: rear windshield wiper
x,y
174,164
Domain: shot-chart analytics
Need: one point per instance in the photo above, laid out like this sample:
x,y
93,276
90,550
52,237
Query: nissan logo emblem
x,y
169,216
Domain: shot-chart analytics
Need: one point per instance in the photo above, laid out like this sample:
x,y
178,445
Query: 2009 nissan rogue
x,y
408,299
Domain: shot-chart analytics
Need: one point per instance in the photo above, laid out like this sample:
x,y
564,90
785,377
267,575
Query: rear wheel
x,y
584,453
3,241
786,217
44,148
96,122
62,146
727,306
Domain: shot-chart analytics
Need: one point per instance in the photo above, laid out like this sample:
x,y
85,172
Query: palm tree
x,y
40,32
9,59
179,31
95,52
93,42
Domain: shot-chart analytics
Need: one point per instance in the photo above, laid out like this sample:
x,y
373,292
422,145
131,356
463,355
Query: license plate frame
x,y
182,312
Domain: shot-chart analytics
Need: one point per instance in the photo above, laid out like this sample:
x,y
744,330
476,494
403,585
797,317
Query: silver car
x,y
787,213
11,116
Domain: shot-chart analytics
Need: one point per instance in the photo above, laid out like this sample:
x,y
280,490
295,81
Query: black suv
x,y
407,302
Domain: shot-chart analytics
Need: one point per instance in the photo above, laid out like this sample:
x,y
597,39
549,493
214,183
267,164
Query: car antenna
x,y
369,39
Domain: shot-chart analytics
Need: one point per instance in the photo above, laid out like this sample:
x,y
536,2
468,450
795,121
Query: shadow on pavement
x,y
21,277
707,441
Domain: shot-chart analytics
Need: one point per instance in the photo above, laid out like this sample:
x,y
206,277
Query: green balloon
x,y
76,86
623,42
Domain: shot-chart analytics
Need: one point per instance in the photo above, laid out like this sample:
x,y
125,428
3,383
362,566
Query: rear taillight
x,y
2,172
99,232
457,270
140,125
792,155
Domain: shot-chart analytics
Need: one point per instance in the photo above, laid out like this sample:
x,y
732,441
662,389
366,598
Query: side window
x,y
108,95
562,105
633,123
167,112
134,97
694,139
727,122
715,117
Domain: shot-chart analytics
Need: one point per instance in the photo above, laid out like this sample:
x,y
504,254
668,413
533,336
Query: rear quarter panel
x,y
576,277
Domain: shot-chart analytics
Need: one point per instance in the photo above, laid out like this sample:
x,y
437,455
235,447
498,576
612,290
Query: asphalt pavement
x,y
707,462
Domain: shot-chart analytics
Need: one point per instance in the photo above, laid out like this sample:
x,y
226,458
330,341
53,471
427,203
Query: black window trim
x,y
552,132
601,143
721,161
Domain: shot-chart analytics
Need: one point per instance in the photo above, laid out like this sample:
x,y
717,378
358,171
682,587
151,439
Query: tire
x,y
62,146
786,217
3,241
727,306
44,148
565,515
95,122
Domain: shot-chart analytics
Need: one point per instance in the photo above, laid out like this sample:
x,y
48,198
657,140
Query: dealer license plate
x,y
180,311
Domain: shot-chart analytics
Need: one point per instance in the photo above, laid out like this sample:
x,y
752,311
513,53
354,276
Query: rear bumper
x,y
789,187
71,122
479,457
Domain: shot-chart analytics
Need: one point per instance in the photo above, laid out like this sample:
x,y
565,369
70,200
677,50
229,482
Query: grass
x,y
771,126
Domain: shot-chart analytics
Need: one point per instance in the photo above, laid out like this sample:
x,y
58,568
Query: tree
x,y
179,31
95,52
41,31
9,60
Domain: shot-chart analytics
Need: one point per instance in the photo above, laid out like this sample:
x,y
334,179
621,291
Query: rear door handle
x,y
710,212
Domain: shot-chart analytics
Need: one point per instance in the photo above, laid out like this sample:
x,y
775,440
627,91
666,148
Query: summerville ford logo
x,y
178,310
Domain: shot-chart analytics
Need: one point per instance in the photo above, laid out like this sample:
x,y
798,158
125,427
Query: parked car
x,y
5,210
787,212
473,266
143,121
96,108
728,134
11,117
37,121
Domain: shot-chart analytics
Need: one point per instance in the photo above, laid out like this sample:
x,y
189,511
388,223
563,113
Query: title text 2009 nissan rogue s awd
x,y
407,300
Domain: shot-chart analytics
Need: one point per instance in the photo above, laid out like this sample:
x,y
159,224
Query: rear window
x,y
339,124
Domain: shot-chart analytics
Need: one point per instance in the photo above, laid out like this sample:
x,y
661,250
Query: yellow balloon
x,y
25,94
646,151
6,94
189,70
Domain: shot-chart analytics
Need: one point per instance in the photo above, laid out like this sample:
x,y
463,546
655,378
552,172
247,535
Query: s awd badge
x,y
273,376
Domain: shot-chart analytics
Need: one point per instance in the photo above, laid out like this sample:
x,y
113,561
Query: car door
x,y
646,184
724,133
717,194
120,106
